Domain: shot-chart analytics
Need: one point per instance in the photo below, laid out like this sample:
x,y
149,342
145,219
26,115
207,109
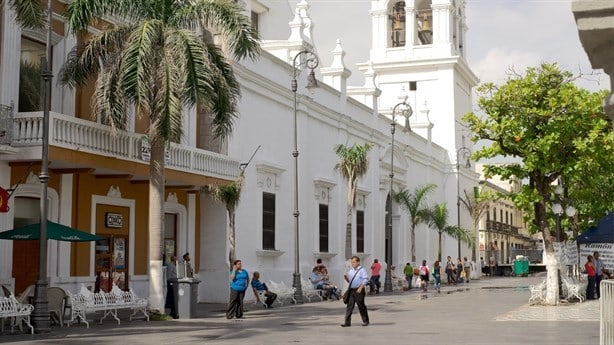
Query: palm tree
x,y
477,204
438,218
158,55
229,195
353,164
418,212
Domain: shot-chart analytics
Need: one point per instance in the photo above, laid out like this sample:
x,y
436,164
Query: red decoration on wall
x,y
4,200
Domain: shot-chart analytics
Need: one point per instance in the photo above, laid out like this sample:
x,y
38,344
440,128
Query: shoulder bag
x,y
346,294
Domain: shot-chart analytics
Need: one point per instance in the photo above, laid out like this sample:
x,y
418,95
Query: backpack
x,y
423,270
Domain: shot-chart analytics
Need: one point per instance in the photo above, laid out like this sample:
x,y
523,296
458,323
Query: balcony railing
x,y
498,226
87,136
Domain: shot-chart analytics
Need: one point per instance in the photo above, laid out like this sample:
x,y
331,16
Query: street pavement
x,y
486,311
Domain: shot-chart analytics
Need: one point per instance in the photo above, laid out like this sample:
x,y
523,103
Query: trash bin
x,y
186,296
521,266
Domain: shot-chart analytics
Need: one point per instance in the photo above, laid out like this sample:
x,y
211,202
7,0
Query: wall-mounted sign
x,y
113,220
146,151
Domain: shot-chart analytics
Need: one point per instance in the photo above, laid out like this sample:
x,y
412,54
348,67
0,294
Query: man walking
x,y
358,279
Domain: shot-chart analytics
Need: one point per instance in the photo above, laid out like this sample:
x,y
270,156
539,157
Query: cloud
x,y
495,66
518,34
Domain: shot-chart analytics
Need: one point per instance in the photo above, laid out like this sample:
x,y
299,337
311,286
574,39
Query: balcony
x,y
89,137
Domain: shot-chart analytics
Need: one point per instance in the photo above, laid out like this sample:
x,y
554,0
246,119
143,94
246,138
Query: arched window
x,y
397,24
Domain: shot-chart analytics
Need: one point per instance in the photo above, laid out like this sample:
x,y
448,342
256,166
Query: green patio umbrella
x,y
55,231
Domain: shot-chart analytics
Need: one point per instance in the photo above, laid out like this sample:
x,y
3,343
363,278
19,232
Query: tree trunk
x,y
231,236
348,233
439,250
552,281
412,235
156,224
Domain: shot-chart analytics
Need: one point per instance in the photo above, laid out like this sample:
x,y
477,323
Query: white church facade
x,y
428,73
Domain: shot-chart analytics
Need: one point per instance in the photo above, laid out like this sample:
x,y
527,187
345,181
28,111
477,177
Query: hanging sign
x,y
4,200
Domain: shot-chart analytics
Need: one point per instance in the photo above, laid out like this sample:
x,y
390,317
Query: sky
x,y
501,34
506,33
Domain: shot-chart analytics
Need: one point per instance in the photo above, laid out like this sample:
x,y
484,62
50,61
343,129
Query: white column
x,y
9,58
68,95
191,238
6,223
190,126
410,29
63,261
57,89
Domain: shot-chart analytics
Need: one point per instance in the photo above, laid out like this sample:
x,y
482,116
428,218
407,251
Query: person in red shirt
x,y
589,266
375,268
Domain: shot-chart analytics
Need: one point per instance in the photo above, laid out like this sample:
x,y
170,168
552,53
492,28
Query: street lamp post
x,y
558,206
406,111
310,60
40,314
466,154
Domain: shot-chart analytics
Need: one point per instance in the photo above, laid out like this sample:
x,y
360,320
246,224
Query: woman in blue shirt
x,y
239,280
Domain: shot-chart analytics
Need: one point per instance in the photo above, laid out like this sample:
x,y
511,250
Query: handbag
x,y
346,294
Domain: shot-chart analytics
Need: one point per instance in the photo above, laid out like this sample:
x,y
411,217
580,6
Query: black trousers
x,y
270,298
598,280
356,298
170,299
235,304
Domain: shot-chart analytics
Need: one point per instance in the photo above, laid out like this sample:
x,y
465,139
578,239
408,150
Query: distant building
x,y
503,233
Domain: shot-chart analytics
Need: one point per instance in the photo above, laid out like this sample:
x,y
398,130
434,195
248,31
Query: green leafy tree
x,y
476,203
353,165
229,195
553,129
417,209
438,219
159,56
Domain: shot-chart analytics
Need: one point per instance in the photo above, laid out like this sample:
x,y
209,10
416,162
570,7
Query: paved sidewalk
x,y
487,311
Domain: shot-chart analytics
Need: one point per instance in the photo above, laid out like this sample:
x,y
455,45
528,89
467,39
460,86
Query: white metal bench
x,y
108,303
573,290
310,292
18,313
282,291
538,292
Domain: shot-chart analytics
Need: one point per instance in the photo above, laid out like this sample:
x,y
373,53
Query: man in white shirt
x,y
358,278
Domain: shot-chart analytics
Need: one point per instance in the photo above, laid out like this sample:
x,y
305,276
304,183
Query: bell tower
x,y
418,53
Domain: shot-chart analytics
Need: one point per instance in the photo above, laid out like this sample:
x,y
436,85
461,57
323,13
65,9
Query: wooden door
x,y
111,262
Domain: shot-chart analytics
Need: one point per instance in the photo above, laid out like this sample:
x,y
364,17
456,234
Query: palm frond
x,y
80,13
109,99
29,13
85,60
169,106
225,18
142,55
